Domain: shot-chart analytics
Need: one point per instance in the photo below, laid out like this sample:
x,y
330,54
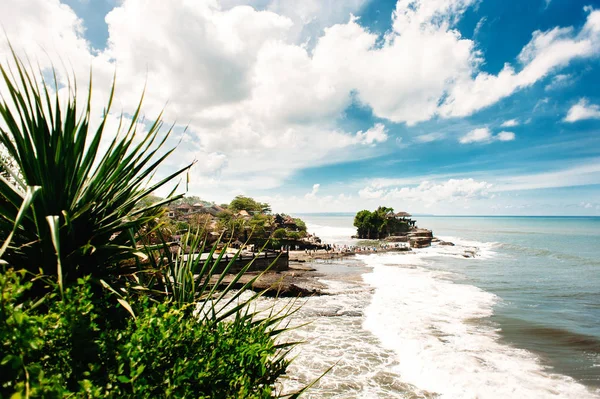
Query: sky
x,y
451,107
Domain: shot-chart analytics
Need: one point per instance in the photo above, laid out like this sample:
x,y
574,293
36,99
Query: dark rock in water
x,y
451,244
469,254
435,239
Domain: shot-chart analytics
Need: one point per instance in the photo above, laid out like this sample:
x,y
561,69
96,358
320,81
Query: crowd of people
x,y
343,248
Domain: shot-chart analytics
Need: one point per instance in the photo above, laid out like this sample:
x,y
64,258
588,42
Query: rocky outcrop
x,y
447,243
420,238
403,238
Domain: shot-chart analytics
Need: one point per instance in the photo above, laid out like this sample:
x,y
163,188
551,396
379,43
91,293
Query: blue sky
x,y
440,106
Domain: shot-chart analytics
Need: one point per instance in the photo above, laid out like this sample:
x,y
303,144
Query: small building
x,y
405,217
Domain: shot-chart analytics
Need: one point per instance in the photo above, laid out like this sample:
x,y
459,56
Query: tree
x,y
300,224
248,204
294,235
380,223
191,200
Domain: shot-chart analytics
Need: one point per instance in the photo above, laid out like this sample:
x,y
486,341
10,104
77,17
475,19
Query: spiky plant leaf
x,y
85,212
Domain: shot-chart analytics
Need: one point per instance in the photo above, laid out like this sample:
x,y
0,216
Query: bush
x,y
165,352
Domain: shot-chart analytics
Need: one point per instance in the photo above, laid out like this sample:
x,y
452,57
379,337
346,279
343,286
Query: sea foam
x,y
435,328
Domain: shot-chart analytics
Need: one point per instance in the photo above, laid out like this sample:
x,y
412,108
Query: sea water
x,y
519,320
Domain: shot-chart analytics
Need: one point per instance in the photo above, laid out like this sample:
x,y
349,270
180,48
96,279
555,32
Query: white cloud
x,y
545,53
581,175
583,110
484,135
479,25
429,192
429,137
260,102
559,81
586,205
370,193
480,135
505,136
313,193
376,134
510,123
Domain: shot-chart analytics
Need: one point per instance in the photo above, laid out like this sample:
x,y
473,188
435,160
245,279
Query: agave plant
x,y
81,217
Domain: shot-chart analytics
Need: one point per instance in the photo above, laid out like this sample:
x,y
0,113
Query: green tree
x,y
301,224
248,204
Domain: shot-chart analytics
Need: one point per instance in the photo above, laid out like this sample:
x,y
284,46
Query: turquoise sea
x,y
521,319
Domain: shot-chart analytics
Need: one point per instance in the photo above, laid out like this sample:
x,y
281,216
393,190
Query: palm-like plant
x,y
83,218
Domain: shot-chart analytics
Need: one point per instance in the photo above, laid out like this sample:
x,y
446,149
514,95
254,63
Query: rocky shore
x,y
300,279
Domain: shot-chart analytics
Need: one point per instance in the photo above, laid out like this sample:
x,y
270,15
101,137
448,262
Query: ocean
x,y
519,320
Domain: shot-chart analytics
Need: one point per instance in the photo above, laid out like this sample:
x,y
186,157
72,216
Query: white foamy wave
x,y
332,235
334,337
430,323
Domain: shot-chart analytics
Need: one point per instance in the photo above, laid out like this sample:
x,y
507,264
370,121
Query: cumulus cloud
x,y
484,135
431,192
371,193
313,193
546,52
583,110
260,102
477,136
376,134
505,136
510,123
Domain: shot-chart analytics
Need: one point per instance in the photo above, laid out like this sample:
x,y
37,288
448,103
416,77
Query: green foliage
x,y
294,235
170,354
164,352
83,219
70,216
301,224
378,224
191,200
280,233
231,226
50,352
248,204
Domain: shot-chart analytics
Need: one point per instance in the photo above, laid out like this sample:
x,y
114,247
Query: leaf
x,y
32,192
126,305
123,379
54,228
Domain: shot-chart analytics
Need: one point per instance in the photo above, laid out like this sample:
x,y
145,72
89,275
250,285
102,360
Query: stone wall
x,y
261,263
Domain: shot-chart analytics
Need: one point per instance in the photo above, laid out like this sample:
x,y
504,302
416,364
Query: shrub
x,y
165,352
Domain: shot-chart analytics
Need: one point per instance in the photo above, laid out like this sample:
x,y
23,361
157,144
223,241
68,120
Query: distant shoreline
x,y
459,216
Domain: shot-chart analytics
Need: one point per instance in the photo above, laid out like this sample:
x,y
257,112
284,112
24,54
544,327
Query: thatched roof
x,y
402,215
